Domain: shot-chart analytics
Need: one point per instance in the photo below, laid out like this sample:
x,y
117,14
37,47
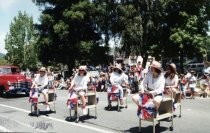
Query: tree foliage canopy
x,y
69,33
162,28
20,42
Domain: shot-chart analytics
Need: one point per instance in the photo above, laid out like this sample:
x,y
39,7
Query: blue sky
x,y
8,10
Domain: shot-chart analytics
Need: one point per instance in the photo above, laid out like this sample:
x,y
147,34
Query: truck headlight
x,y
8,82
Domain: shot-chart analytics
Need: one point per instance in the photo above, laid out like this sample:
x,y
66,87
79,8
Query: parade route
x,y
14,117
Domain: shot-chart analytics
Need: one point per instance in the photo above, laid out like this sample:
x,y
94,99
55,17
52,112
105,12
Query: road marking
x,y
62,121
27,125
3,129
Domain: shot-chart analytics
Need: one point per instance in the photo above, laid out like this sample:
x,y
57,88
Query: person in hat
x,y
117,79
171,80
152,86
41,84
192,84
79,85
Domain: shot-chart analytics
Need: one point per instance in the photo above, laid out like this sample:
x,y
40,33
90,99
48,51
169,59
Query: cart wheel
x,y
95,117
180,116
157,125
139,131
126,106
55,112
87,116
169,119
119,110
68,118
171,128
77,120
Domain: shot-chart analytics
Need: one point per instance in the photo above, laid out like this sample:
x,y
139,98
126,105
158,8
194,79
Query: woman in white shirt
x,y
117,79
153,84
79,84
171,79
41,84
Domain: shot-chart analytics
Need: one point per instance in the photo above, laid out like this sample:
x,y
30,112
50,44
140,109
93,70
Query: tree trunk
x,y
181,62
145,57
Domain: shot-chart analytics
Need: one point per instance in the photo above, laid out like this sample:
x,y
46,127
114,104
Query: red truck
x,y
12,82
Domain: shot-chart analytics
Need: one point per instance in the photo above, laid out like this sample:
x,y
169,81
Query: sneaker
x,y
48,108
84,111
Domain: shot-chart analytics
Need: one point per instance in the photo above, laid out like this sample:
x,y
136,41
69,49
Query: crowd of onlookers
x,y
189,84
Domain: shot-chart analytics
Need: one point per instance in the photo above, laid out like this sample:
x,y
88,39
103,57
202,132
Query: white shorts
x,y
45,91
158,99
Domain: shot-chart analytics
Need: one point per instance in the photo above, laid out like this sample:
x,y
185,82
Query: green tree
x,y
186,29
20,41
140,25
68,32
3,61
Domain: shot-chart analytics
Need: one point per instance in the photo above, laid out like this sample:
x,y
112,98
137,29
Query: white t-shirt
x,y
80,82
172,82
155,84
118,79
41,82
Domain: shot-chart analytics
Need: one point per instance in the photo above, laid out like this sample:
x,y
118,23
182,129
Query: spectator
x,y
171,79
192,84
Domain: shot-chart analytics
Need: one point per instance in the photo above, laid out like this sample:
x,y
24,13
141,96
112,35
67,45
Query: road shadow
x,y
113,108
81,118
45,113
147,129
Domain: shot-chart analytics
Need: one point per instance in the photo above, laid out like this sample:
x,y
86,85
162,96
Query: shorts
x,y
81,92
157,98
44,91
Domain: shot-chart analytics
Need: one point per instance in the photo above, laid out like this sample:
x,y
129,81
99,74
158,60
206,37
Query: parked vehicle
x,y
197,67
12,82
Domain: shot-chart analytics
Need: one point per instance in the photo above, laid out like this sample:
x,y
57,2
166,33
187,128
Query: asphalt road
x,y
14,117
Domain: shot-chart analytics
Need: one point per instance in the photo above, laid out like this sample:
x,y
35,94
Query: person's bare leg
x,y
135,100
157,104
83,100
46,101
45,98
82,96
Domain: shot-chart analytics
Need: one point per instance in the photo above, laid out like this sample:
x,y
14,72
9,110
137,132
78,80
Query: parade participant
x,y
117,79
41,84
153,85
79,85
171,80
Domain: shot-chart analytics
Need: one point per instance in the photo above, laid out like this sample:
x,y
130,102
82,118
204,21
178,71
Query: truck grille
x,y
22,84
